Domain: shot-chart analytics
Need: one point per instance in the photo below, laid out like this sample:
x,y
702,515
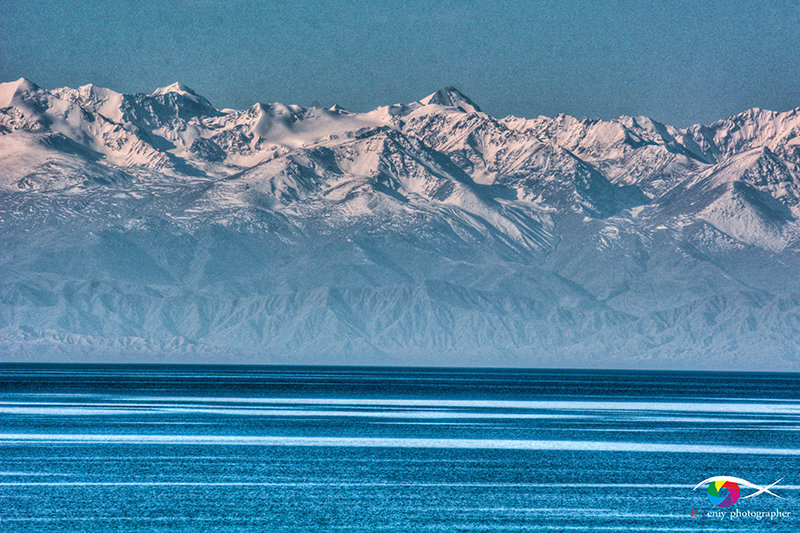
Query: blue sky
x,y
679,62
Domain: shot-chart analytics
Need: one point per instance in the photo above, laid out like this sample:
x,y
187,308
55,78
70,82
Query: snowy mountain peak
x,y
176,87
178,92
91,90
12,89
451,97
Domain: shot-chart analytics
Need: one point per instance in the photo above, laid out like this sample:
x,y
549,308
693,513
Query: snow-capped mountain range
x,y
157,227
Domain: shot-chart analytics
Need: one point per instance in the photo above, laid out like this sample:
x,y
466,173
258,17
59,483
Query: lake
x,y
259,448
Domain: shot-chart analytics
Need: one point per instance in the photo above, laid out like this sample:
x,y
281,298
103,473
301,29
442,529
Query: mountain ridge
x,y
157,222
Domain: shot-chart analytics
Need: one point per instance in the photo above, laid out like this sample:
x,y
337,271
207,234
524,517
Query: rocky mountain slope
x,y
157,227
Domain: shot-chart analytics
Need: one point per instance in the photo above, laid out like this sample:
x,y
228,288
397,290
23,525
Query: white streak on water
x,y
73,411
719,407
642,486
62,411
385,442
18,474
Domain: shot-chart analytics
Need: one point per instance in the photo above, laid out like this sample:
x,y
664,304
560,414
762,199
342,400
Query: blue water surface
x,y
234,448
